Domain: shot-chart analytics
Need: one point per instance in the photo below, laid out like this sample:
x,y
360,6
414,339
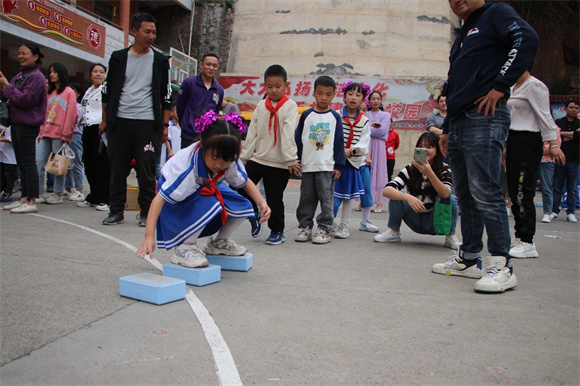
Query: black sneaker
x,y
114,218
142,218
256,226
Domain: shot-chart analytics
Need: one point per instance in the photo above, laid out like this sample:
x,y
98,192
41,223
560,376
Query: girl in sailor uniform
x,y
193,201
356,131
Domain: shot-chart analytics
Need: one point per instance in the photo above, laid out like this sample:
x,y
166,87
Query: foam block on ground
x,y
194,276
232,263
152,288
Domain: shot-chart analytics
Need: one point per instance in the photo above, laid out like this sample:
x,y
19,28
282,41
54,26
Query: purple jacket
x,y
195,99
28,99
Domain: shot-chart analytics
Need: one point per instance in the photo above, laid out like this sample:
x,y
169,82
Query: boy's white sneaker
x,y
497,277
25,208
76,196
572,218
189,255
546,218
389,236
54,198
13,205
342,232
368,227
451,242
303,235
321,237
223,247
524,250
456,266
102,207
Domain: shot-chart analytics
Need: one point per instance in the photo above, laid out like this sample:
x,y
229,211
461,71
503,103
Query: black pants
x,y
8,176
96,165
390,168
524,154
132,139
275,181
24,141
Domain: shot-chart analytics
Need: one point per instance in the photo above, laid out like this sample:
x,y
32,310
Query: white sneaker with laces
x,y
54,198
84,204
189,255
13,205
368,227
497,278
76,196
451,242
321,237
303,235
547,218
40,199
553,216
523,250
102,207
389,236
224,247
572,217
456,266
25,208
342,232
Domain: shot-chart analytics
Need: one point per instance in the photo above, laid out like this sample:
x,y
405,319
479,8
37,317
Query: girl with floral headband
x,y
193,201
356,133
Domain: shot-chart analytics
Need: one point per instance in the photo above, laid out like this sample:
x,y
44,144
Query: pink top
x,y
61,115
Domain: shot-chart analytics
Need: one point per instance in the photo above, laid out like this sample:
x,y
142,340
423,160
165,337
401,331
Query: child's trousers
x,y
316,187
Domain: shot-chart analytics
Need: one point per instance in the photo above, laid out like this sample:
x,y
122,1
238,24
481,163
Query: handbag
x,y
4,114
442,217
57,163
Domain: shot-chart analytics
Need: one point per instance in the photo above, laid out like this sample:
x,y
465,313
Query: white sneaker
x,y
102,207
456,267
321,237
389,236
303,235
451,242
189,255
13,205
84,204
572,217
547,218
40,199
497,278
342,232
54,198
553,216
368,227
523,250
77,196
25,208
223,247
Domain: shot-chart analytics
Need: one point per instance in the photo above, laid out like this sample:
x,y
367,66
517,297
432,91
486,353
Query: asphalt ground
x,y
349,312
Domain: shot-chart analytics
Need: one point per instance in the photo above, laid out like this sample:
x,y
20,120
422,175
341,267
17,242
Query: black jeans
x,y
132,139
24,141
275,181
96,165
524,154
8,176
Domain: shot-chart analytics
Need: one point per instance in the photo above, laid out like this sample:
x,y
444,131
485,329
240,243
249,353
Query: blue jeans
x,y
546,175
76,175
567,173
421,223
475,148
45,147
366,200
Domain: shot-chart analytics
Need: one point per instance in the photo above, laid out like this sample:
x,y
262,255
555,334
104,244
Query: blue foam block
x,y
152,288
194,276
232,263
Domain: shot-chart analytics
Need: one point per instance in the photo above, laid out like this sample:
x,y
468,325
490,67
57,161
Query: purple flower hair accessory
x,y
205,121
365,86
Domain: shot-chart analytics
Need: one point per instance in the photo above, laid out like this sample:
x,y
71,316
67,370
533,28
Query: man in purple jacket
x,y
198,95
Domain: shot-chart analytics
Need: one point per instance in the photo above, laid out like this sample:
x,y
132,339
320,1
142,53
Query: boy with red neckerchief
x,y
269,152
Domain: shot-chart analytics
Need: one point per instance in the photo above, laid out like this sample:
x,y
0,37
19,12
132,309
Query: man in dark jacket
x,y
136,109
492,50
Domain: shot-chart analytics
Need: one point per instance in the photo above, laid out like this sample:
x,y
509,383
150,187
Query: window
x,y
104,10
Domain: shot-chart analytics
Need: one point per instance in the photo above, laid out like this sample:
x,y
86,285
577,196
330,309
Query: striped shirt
x,y
426,192
360,139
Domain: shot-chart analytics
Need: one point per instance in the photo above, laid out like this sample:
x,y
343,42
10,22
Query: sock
x,y
192,239
347,206
366,214
231,225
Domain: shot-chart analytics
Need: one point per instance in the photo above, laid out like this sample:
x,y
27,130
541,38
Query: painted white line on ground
x,y
226,369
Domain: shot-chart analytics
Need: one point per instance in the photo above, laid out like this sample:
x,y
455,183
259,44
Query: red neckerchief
x,y
273,110
357,119
212,189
